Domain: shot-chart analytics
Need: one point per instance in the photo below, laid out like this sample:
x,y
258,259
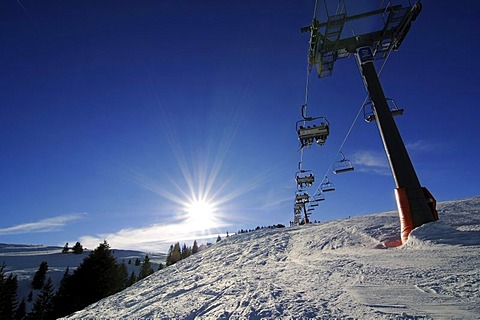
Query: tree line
x,y
98,276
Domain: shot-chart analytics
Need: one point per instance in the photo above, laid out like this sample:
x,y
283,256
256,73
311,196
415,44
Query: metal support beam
x,y
402,168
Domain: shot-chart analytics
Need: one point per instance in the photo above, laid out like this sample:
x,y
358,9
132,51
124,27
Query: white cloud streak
x,y
420,145
371,162
153,238
44,225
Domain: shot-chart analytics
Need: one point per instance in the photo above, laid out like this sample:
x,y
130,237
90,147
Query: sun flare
x,y
201,214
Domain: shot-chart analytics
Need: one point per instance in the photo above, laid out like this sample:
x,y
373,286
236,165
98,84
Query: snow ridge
x,y
321,271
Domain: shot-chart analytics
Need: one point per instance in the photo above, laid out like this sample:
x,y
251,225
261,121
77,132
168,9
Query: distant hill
x,y
23,261
340,269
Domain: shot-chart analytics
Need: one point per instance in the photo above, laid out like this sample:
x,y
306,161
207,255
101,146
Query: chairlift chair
x,y
369,115
327,186
344,165
304,178
312,129
319,196
301,198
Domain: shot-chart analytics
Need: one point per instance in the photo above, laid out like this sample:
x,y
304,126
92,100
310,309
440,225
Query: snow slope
x,y
336,270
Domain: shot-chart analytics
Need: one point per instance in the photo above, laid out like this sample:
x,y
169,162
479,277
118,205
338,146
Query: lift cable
x,y
307,83
350,130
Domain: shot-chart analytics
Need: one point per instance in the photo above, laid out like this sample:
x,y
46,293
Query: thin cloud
x,y
153,238
44,225
421,145
371,162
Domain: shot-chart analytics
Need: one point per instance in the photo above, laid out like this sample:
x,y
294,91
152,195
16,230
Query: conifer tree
x,y
146,268
161,266
219,238
8,294
21,312
39,277
65,248
194,247
96,277
174,254
132,279
186,252
123,276
30,296
77,248
62,295
43,306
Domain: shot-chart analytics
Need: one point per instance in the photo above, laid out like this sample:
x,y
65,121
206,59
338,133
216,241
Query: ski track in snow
x,y
334,270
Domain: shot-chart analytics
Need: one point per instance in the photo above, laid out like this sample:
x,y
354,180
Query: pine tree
x,y
8,294
132,279
137,262
95,278
194,247
62,295
186,252
123,276
168,261
77,248
30,296
174,254
21,312
65,248
161,266
39,277
146,268
43,306
219,238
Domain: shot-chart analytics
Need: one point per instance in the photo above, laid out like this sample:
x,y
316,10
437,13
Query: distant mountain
x,y
340,269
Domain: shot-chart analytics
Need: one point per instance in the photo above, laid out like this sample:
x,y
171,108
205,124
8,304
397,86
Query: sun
x,y
201,214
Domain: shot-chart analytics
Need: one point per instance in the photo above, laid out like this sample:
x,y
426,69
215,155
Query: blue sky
x,y
116,115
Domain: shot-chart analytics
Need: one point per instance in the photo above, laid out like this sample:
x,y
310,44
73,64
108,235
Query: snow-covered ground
x,y
336,270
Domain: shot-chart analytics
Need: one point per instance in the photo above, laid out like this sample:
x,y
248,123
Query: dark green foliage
x,y
39,277
123,275
77,248
174,254
8,294
161,266
30,296
43,306
194,247
186,252
21,311
146,268
219,238
65,248
62,294
132,279
137,262
97,277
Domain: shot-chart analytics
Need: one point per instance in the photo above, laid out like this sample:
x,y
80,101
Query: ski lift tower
x,y
415,204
